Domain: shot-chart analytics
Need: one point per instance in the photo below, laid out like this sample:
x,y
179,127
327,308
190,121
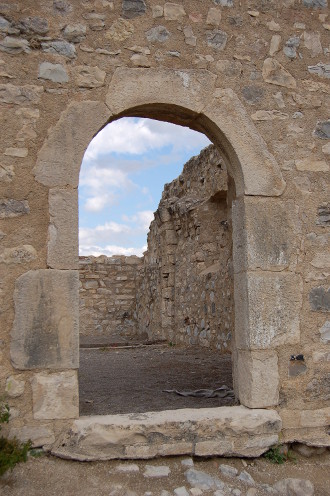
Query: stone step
x,y
225,431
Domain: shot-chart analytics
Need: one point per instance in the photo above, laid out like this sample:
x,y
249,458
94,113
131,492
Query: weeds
x,y
12,451
278,455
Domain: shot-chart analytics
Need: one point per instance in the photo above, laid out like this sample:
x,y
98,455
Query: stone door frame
x,y
261,269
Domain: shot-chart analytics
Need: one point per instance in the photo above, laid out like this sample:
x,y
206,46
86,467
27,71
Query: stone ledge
x,y
226,431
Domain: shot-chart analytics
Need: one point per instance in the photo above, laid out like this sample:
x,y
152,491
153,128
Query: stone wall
x,y
107,296
253,76
185,293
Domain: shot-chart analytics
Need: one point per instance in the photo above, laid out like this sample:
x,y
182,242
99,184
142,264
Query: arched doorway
x,y
262,254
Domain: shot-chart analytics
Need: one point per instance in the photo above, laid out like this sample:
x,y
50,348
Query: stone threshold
x,y
223,431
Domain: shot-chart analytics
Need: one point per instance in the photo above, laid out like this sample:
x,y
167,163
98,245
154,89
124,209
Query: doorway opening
x,y
155,328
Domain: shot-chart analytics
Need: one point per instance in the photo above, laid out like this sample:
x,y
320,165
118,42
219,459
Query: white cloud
x,y
114,234
141,219
97,203
138,136
103,186
111,250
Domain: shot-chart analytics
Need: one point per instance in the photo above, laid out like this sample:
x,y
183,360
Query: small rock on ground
x,y
202,480
181,491
246,477
295,487
228,470
156,471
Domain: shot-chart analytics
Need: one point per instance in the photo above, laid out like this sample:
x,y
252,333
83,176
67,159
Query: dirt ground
x,y
48,476
125,380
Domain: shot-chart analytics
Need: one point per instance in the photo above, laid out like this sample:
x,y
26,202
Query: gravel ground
x,y
127,380
50,476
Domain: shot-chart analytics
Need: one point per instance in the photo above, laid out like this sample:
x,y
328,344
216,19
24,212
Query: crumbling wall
x,y
182,289
186,289
108,295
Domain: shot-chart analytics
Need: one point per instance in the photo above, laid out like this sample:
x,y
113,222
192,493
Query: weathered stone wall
x,y
186,289
107,296
253,75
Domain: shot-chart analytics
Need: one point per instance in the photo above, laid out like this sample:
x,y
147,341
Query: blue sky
x,y
122,178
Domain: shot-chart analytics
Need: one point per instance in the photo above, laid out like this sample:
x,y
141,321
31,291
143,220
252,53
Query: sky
x,y
122,177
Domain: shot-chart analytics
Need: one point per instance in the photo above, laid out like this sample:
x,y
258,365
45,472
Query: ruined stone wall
x,y
107,296
251,74
186,289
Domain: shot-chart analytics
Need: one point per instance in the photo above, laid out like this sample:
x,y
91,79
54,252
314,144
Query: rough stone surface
x,y
14,45
25,94
59,48
323,217
257,378
89,77
224,431
14,386
217,39
264,326
7,173
63,229
307,164
65,145
55,396
320,69
266,59
45,330
120,30
273,72
325,332
294,487
39,435
38,25
159,33
322,130
228,470
18,254
133,8
202,480
189,298
316,4
13,208
75,33
53,72
16,152
108,295
319,299
152,471
173,11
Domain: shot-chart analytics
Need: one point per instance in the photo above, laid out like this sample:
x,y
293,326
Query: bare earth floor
x,y
130,380
52,477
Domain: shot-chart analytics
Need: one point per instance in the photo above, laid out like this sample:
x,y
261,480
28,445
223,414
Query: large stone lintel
x,y
229,431
46,331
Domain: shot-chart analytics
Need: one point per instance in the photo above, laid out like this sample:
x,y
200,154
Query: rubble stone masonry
x,y
107,296
181,290
253,75
185,293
